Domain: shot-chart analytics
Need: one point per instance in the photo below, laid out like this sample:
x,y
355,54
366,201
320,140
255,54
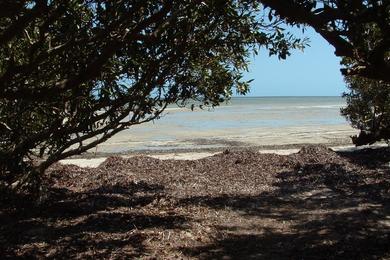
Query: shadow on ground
x,y
317,211
240,205
88,224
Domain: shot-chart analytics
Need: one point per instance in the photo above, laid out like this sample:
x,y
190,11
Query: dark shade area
x,y
316,204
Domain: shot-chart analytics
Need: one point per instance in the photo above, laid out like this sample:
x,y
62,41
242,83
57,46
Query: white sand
x,y
183,156
92,163
156,137
95,162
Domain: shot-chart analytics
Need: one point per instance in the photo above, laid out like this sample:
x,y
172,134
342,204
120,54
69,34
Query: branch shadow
x,y
371,158
321,211
95,223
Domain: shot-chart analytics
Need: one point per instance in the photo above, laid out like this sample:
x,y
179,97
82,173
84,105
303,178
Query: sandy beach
x,y
224,185
93,161
260,123
195,130
280,125
146,139
314,204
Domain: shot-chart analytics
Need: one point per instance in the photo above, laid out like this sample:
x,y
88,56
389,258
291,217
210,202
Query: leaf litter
x,y
237,204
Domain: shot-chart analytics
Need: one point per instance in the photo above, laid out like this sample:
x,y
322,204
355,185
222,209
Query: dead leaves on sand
x,y
243,204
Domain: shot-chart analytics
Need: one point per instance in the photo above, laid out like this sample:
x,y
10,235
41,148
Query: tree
x,y
368,109
359,32
75,72
368,101
346,25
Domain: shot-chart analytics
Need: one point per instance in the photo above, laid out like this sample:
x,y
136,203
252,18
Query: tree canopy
x,y
368,109
75,72
357,29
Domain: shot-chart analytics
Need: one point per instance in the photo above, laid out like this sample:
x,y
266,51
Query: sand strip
x,y
95,162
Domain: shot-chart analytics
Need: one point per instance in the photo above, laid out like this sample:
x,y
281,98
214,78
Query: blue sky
x,y
314,72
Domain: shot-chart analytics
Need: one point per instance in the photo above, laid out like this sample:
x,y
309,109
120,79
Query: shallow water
x,y
262,111
243,121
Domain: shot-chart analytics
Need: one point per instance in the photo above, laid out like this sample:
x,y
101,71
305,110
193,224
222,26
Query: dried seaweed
x,y
236,204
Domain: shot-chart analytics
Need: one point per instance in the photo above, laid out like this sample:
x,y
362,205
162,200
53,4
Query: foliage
x,y
359,32
357,29
75,72
368,109
368,101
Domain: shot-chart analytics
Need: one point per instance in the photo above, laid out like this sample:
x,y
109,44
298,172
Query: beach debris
x,y
267,204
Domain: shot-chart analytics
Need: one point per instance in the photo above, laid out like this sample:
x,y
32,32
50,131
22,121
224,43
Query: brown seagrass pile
x,y
316,204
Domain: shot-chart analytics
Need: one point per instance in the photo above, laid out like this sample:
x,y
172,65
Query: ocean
x,y
242,121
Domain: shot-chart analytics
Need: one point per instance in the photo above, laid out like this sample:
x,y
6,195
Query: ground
x,y
316,204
